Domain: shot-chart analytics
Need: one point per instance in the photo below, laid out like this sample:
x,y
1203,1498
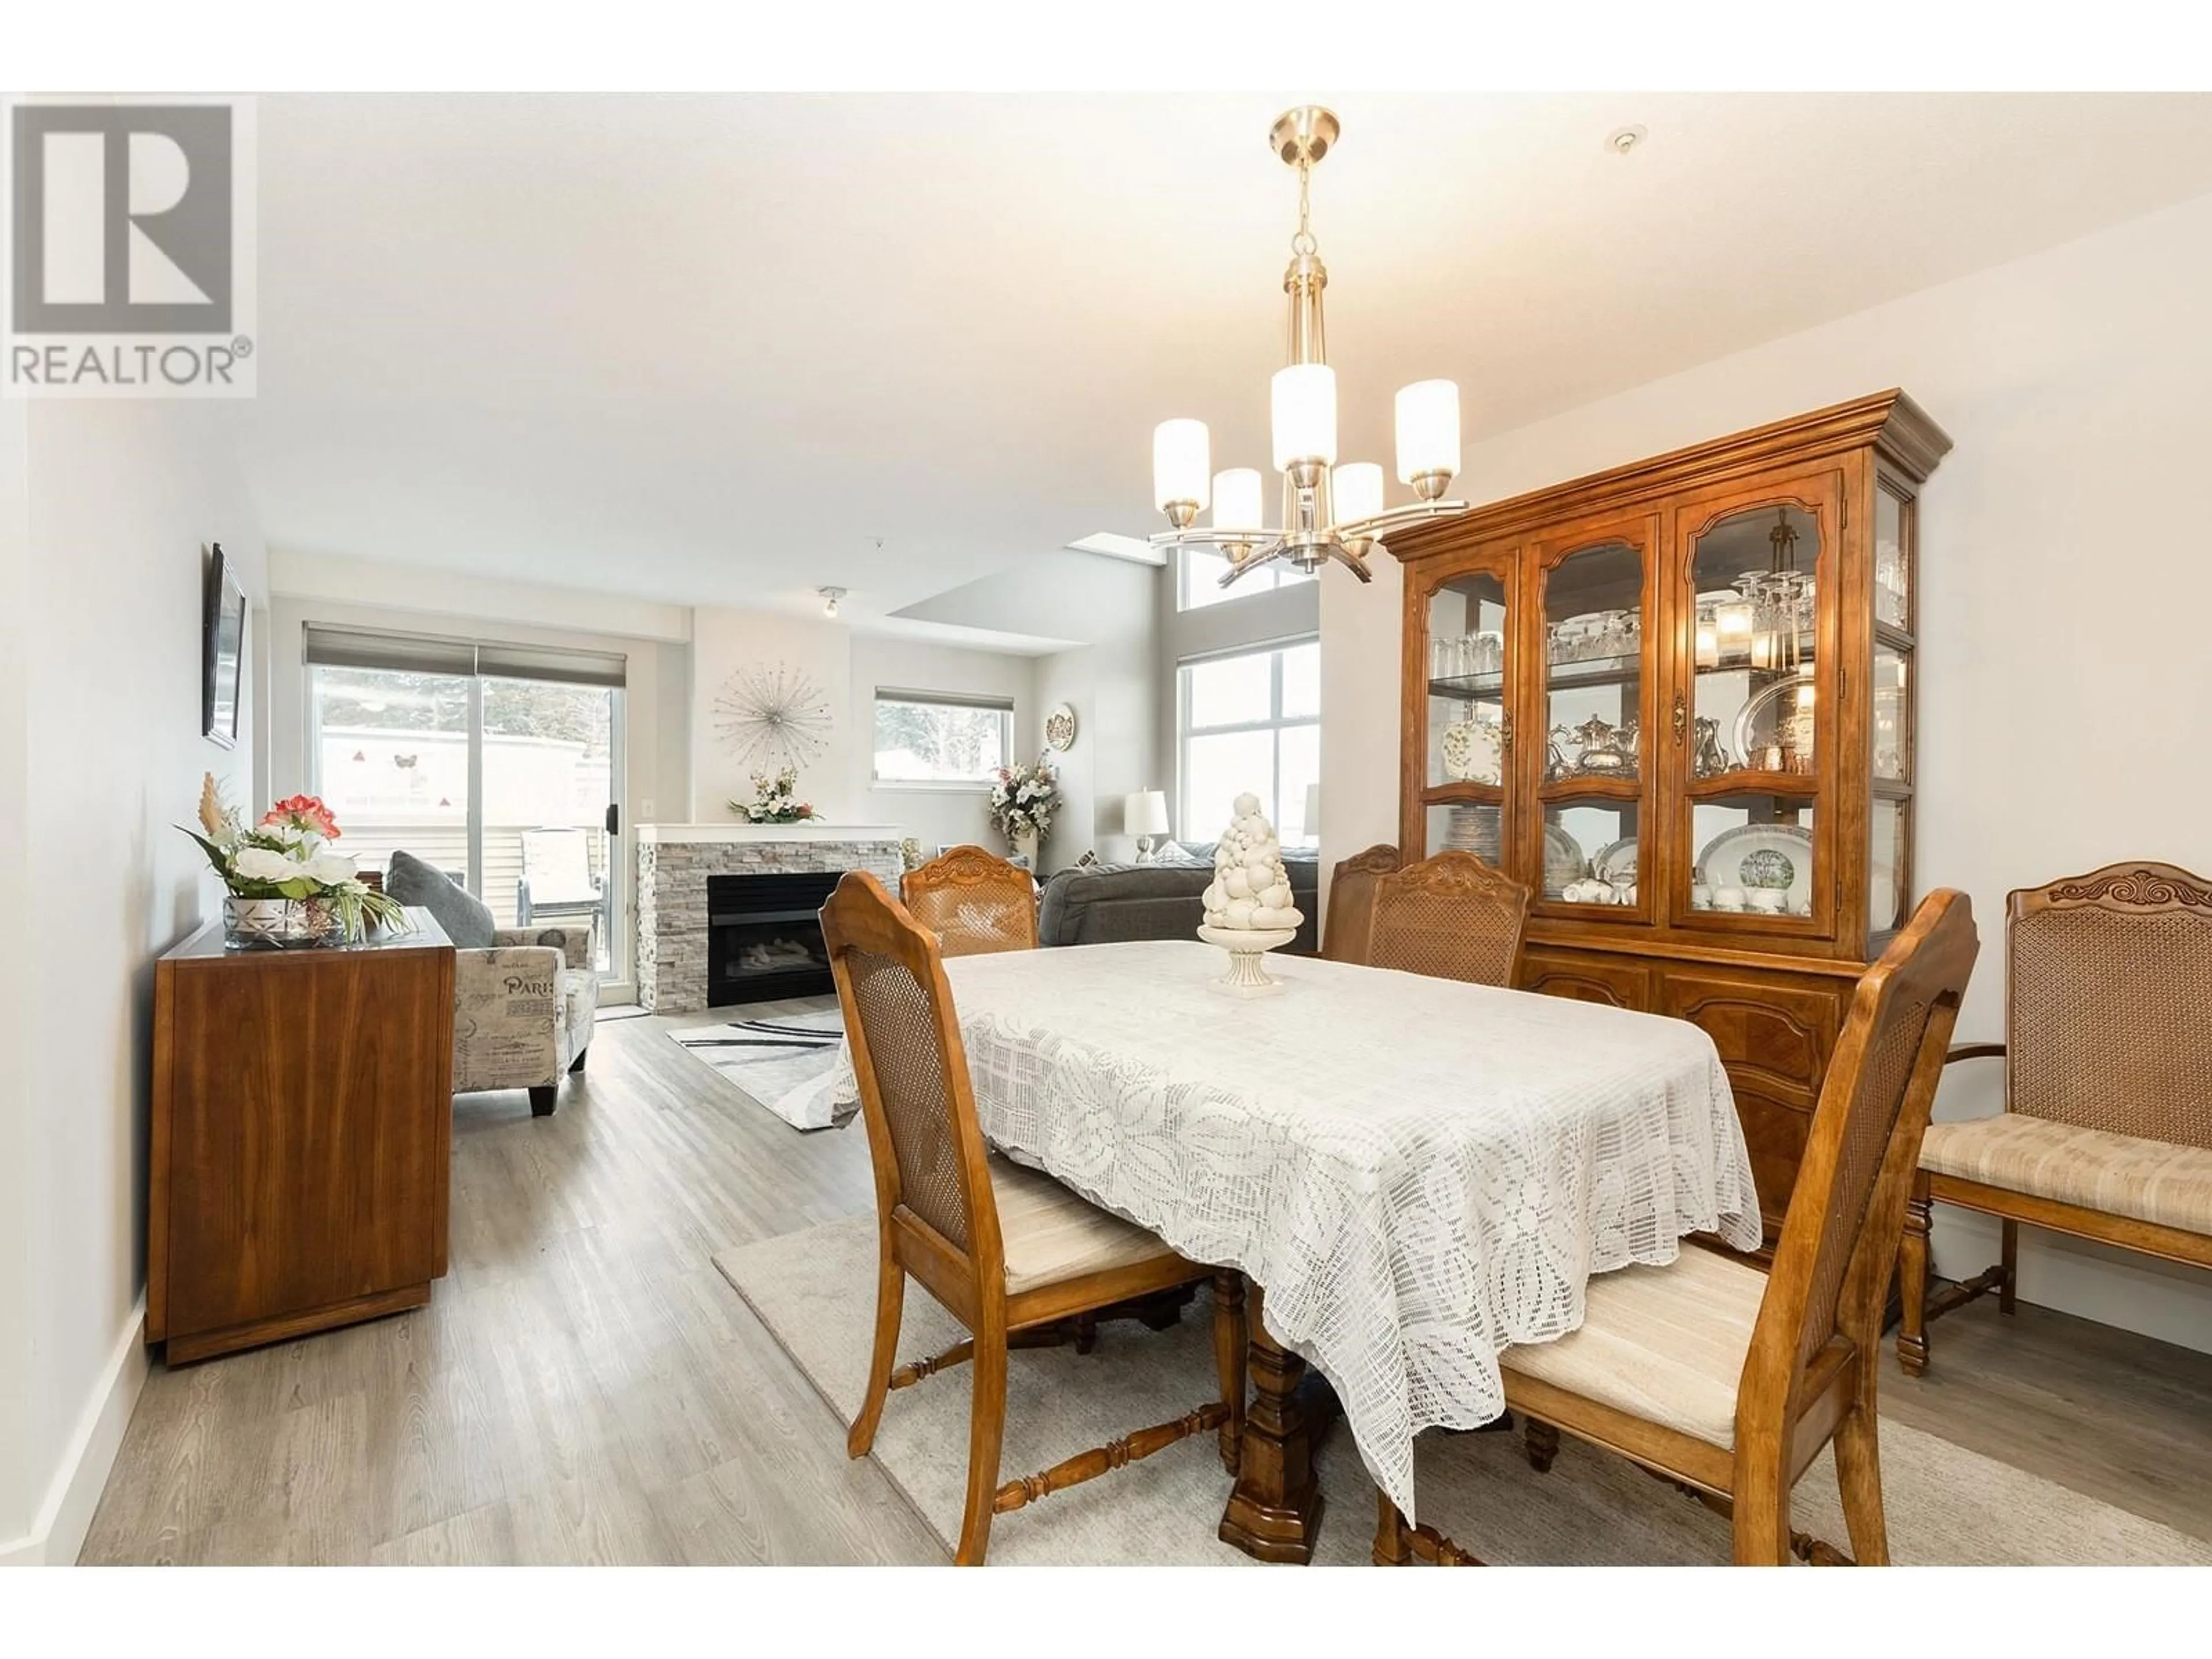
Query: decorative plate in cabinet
x,y
1759,858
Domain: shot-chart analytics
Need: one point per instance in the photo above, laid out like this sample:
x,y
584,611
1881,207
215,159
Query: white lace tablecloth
x,y
1417,1172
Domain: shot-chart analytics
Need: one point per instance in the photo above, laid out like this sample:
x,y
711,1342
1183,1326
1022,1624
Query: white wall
x,y
848,668
2064,660
21,1480
123,498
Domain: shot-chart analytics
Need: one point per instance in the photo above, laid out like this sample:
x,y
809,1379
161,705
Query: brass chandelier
x,y
1330,509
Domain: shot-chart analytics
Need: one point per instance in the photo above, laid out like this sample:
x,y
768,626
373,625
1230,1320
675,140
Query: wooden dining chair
x,y
974,902
1350,935
1731,1381
1004,1249
1451,917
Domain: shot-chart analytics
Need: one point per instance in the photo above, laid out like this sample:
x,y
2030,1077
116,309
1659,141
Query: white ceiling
x,y
707,350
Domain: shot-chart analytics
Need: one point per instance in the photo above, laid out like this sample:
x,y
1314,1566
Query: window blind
x,y
331,646
946,699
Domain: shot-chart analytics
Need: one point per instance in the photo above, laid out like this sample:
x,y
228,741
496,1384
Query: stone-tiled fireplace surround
x,y
674,861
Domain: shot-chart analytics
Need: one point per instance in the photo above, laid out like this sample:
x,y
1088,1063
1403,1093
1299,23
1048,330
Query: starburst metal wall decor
x,y
773,714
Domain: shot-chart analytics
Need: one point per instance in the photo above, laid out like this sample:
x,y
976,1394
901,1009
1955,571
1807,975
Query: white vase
x,y
1025,846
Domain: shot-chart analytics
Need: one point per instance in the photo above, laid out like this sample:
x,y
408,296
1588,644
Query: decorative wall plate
x,y
772,715
1059,729
1763,855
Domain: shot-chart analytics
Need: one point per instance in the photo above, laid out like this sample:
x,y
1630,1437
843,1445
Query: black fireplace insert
x,y
764,938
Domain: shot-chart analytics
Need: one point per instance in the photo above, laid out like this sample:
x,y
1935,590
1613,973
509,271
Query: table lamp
x,y
1312,824
1144,815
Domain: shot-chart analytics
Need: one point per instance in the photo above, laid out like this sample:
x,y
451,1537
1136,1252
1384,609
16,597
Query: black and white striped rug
x,y
788,1066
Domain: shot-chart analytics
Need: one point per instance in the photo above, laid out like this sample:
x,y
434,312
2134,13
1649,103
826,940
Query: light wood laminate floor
x,y
584,1387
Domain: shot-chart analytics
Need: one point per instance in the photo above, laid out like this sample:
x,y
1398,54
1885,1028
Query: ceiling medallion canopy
x,y
1330,509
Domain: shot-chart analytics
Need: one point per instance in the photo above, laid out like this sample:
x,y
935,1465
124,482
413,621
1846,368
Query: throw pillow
x,y
465,918
1169,852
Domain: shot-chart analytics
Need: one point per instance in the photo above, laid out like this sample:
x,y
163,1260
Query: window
x,y
1203,569
497,764
1250,723
930,737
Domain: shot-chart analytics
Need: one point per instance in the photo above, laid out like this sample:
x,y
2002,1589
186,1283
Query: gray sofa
x,y
1107,903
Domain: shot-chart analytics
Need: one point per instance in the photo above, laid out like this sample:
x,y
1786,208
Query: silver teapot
x,y
1604,750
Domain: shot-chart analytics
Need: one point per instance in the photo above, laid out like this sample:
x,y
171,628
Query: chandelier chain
x,y
1303,243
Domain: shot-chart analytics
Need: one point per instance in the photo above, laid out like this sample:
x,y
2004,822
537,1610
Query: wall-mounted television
x,y
222,652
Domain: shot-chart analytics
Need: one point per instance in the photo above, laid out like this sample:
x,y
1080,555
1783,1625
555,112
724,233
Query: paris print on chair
x,y
773,714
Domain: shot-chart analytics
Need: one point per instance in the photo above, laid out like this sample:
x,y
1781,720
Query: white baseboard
x,y
66,1515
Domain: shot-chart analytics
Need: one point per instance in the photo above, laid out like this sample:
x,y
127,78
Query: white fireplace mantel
x,y
670,834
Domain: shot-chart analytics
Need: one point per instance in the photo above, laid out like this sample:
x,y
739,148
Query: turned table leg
x,y
1274,1512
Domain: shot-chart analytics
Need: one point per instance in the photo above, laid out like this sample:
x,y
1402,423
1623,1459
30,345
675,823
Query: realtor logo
x,y
129,269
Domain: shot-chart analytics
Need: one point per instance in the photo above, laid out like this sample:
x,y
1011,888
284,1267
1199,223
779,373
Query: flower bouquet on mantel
x,y
286,886
775,800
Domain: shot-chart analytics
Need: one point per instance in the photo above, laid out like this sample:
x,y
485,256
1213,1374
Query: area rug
x,y
815,1292
788,1066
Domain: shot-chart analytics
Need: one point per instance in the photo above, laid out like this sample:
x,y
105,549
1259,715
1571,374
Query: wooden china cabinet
x,y
1676,699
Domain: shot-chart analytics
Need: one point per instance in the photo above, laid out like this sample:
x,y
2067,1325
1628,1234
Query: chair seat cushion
x,y
1052,1236
1664,1344
2154,1180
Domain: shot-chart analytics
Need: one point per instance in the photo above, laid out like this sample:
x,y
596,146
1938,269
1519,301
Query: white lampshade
x,y
1313,810
1428,429
1304,403
1236,499
1144,813
1358,488
1181,461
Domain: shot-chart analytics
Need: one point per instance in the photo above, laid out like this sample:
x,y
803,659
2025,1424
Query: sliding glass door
x,y
510,785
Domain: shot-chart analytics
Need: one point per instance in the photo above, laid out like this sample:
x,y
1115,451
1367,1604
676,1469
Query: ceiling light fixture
x,y
1330,509
1622,140
830,598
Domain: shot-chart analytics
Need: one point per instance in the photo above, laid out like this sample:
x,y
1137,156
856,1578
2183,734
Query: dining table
x,y
1410,1173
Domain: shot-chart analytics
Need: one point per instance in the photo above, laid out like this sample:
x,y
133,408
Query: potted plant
x,y
775,800
1022,801
285,886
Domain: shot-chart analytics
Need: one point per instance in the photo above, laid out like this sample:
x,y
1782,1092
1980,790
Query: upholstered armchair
x,y
523,1012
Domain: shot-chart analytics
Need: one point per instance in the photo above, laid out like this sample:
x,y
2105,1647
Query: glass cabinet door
x,y
1469,739
1595,664
1889,842
1752,734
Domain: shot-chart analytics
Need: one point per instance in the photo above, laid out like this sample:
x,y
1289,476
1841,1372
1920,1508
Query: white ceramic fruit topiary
x,y
1250,890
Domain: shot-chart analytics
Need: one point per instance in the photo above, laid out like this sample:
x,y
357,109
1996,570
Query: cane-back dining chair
x,y
1731,1381
974,902
1004,1248
1451,917
1350,936
2107,1131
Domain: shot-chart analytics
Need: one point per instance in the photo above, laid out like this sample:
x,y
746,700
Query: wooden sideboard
x,y
1674,699
302,1126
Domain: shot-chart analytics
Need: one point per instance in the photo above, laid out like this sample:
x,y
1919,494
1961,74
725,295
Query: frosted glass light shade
x,y
1305,406
1357,486
1428,429
1144,813
1181,462
1236,499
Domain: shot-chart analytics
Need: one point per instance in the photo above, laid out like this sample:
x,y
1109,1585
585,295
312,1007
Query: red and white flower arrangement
x,y
286,856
